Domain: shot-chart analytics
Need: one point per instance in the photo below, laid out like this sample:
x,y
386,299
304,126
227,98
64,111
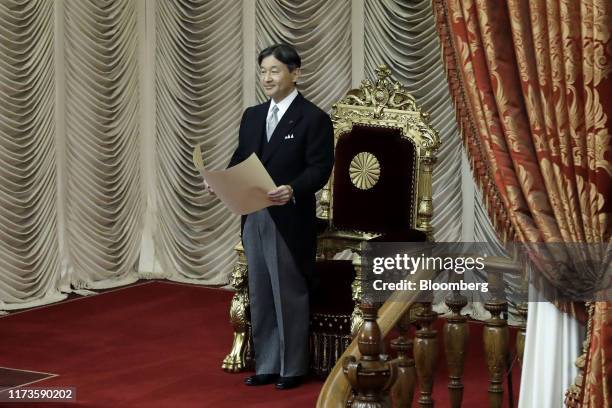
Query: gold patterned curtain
x,y
532,84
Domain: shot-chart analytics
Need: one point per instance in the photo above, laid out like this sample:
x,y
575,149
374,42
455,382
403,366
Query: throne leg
x,y
240,357
356,288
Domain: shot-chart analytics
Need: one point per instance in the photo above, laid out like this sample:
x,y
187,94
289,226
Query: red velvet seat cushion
x,y
332,294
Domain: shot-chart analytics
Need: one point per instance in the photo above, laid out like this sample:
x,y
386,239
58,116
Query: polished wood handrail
x,y
336,389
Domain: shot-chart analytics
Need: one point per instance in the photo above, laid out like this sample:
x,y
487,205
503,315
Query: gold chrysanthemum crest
x,y
364,170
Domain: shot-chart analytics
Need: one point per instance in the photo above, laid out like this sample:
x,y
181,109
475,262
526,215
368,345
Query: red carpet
x,y
152,345
159,344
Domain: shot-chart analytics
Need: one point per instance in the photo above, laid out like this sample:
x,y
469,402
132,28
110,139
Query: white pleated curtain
x,y
321,32
102,103
29,249
102,197
198,83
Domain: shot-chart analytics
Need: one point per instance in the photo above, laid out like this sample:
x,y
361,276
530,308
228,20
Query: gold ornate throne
x,y
380,189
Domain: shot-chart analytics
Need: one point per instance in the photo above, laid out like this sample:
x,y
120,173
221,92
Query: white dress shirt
x,y
282,105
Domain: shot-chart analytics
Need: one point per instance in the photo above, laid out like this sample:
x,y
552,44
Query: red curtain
x,y
532,84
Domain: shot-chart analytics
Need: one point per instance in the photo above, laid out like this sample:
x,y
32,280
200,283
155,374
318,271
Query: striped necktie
x,y
272,122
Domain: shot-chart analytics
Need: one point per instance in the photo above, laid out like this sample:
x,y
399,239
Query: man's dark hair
x,y
285,53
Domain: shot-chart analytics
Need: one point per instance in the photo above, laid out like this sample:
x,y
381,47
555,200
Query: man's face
x,y
276,80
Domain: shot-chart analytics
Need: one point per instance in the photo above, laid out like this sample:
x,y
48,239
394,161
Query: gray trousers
x,y
278,295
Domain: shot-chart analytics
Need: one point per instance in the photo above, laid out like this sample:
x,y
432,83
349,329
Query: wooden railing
x,y
336,390
365,378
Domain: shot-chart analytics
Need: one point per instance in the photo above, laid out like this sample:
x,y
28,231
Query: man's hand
x,y
281,195
209,189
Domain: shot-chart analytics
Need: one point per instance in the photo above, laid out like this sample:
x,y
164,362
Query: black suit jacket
x,y
303,161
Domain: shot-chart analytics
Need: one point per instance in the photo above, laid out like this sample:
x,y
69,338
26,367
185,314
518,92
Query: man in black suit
x,y
294,140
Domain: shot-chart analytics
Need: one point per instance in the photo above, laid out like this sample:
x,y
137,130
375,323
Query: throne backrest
x,y
384,154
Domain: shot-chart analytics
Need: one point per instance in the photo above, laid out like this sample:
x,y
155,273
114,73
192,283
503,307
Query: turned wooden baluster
x,y
495,336
370,376
521,310
456,333
425,354
402,392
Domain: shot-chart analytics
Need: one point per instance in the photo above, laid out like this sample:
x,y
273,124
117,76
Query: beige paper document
x,y
244,187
